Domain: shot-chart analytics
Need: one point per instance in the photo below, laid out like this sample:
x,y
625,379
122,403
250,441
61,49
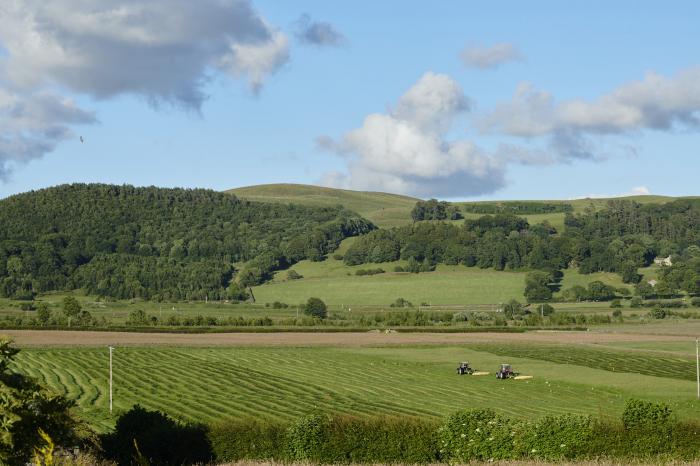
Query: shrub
x,y
615,303
279,305
478,434
240,439
398,268
557,437
314,307
28,306
306,438
640,414
617,313
338,257
636,302
160,439
658,313
363,272
400,302
294,275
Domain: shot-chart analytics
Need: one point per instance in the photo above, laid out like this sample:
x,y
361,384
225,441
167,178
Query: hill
x,y
157,243
383,209
388,210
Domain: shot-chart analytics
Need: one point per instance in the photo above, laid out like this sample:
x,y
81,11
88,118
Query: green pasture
x,y
383,209
206,384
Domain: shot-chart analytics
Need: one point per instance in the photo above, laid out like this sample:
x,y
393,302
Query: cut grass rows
x,y
645,363
206,384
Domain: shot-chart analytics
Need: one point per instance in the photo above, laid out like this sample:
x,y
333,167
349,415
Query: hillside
x,y
383,209
157,243
388,210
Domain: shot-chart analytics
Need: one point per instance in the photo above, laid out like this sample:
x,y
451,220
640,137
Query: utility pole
x,y
110,378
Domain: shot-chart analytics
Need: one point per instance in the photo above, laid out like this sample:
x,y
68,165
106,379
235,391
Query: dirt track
x,y
86,338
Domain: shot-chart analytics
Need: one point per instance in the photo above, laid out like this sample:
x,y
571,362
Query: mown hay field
x,y
210,383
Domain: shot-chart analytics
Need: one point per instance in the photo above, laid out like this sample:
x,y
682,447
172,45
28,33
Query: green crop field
x,y
205,384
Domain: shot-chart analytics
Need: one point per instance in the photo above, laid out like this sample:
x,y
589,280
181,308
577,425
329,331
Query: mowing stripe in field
x,y
206,384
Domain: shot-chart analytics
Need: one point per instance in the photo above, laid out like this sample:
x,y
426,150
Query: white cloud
x,y
636,191
318,33
160,49
31,125
406,151
656,102
485,57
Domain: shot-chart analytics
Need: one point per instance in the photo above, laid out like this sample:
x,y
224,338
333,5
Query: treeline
x,y
620,238
157,243
517,207
435,210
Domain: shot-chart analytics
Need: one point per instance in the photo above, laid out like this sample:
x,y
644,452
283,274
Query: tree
x,y
71,306
316,308
43,313
26,409
644,290
536,286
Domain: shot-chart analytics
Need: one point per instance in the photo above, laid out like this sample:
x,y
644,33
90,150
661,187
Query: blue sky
x,y
616,83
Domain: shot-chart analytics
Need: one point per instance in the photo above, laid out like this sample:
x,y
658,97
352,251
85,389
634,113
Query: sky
x,y
451,99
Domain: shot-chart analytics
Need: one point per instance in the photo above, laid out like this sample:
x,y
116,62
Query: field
x,y
208,377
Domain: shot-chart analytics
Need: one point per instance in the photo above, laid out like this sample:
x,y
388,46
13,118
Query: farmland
x,y
386,374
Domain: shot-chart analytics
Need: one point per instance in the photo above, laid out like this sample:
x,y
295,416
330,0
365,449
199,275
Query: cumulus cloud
x,y
319,33
406,150
32,125
160,49
486,57
655,102
636,191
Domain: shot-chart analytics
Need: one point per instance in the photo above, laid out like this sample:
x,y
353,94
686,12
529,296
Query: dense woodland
x,y
517,207
620,238
155,243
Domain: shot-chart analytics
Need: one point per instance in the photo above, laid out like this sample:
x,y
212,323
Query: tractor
x,y
505,372
464,368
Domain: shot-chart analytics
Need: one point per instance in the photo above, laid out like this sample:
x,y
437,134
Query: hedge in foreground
x,y
645,431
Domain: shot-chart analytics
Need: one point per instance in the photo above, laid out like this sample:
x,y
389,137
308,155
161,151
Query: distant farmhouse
x,y
663,261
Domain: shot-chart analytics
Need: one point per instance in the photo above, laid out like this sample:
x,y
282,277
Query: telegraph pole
x,y
110,378
697,365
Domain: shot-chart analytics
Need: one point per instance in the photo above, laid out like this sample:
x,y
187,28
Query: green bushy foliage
x,y
306,438
478,434
639,414
315,307
556,437
248,439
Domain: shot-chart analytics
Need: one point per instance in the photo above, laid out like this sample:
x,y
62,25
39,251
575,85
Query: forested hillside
x,y
124,242
619,238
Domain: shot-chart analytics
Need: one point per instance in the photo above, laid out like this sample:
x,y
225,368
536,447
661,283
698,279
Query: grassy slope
x,y
385,210
288,382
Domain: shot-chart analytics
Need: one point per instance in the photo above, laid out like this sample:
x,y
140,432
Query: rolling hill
x,y
382,209
388,210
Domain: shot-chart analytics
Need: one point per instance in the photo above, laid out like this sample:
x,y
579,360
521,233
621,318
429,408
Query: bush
x,y
616,303
251,439
639,414
160,440
316,308
306,438
478,434
400,302
28,306
636,302
617,313
279,305
294,275
658,313
363,272
557,437
398,268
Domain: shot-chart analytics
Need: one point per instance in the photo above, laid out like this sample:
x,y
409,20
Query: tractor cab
x,y
464,368
505,372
